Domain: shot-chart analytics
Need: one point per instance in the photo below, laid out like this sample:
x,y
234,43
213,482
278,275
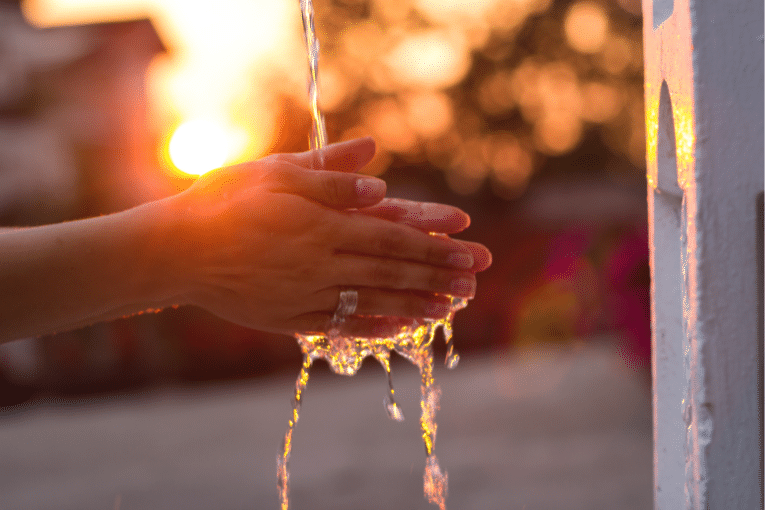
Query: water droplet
x,y
452,361
394,411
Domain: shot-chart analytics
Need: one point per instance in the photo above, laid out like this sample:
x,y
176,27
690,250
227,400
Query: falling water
x,y
319,130
346,354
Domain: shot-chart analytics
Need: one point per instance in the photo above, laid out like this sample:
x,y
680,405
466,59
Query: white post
x,y
704,119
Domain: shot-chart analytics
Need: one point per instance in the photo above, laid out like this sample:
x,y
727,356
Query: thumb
x,y
338,190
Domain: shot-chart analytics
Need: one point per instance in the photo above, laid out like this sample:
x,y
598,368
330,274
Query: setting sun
x,y
220,65
198,146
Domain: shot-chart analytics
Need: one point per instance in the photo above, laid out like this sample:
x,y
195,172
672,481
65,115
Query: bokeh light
x,y
434,81
586,27
511,164
602,102
434,59
495,94
388,122
429,113
617,55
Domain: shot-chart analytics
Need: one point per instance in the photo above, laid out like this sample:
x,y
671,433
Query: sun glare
x,y
209,71
198,146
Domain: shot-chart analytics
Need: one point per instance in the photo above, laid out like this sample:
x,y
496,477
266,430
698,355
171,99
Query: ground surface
x,y
553,429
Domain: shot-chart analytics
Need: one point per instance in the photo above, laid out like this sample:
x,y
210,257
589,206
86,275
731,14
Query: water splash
x,y
346,354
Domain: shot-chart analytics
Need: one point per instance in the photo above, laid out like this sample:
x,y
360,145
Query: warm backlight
x,y
586,26
222,56
198,146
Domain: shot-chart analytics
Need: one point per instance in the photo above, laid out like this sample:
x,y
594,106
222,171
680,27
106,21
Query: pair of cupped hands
x,y
274,242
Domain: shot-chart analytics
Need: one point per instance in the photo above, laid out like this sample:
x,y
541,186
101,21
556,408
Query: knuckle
x,y
434,254
306,273
384,274
392,243
276,174
436,281
331,190
270,164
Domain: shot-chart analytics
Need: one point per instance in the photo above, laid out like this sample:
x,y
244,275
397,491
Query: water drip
x,y
389,401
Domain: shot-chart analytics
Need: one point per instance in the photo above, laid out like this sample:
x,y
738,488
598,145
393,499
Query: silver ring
x,y
349,300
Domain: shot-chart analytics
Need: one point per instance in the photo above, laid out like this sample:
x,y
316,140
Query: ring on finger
x,y
349,300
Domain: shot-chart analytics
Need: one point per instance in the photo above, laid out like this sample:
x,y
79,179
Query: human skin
x,y
268,245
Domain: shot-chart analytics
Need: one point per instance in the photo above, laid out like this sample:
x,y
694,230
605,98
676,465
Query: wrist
x,y
160,243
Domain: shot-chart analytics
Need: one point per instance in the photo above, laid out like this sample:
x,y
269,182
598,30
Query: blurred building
x,y
74,142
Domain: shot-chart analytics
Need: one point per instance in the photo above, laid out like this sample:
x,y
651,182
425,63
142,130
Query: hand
x,y
270,245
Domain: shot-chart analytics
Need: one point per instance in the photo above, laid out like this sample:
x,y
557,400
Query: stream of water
x,y
319,130
345,354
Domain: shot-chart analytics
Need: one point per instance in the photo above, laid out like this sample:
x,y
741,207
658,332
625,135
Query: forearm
x,y
63,276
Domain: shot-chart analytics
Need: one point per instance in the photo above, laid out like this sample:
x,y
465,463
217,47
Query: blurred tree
x,y
528,114
486,90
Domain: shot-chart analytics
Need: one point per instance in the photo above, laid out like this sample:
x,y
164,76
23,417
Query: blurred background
x,y
527,114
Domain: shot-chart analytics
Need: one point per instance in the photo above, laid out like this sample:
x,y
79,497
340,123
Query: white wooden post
x,y
704,120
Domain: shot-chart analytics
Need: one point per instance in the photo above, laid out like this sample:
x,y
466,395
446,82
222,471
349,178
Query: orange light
x,y
431,59
390,127
602,102
198,146
586,27
429,113
557,135
208,72
454,10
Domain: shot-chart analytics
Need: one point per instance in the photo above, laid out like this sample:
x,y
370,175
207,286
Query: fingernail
x,y
460,260
367,187
436,310
463,286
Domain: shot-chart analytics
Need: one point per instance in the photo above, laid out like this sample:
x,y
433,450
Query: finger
x,y
337,190
384,273
375,327
481,255
425,216
349,156
360,234
391,303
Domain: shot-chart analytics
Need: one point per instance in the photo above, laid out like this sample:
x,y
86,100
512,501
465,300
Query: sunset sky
x,y
428,79
212,68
